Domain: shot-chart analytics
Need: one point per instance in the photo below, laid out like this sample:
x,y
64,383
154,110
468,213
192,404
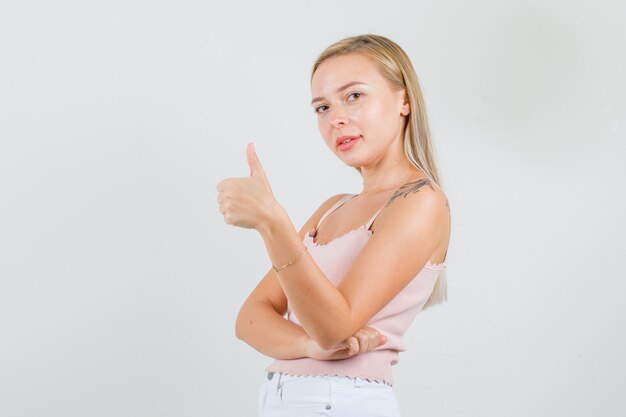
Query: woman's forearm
x,y
322,310
260,326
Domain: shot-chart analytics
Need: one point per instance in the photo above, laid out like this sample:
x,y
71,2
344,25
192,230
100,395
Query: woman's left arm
x,y
407,234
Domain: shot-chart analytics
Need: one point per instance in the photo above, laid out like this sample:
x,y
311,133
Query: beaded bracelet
x,y
294,259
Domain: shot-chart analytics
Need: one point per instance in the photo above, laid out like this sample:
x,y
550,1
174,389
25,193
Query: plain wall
x,y
120,281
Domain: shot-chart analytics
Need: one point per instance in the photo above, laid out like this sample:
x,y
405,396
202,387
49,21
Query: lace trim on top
x,y
364,227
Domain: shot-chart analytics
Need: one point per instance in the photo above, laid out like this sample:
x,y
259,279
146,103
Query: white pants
x,y
299,396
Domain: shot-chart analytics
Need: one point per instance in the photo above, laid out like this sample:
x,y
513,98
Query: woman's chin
x,y
354,163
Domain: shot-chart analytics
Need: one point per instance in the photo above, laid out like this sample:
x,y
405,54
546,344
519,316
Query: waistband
x,y
275,378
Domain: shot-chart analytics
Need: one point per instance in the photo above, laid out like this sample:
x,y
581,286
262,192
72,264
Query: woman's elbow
x,y
239,324
238,334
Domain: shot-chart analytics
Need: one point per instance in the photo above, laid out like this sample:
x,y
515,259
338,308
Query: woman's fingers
x,y
369,339
353,345
363,341
376,339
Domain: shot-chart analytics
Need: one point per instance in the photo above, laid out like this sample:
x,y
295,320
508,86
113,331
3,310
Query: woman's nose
x,y
338,118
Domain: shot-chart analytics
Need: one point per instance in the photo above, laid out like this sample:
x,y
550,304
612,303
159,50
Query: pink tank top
x,y
334,259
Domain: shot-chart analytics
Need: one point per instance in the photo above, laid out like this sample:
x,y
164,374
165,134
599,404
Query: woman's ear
x,y
406,107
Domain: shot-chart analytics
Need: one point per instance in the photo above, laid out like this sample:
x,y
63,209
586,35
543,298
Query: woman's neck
x,y
389,181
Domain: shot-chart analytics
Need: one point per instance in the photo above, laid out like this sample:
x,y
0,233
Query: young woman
x,y
364,265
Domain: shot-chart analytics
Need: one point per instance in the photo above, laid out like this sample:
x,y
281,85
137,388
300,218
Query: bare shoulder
x,y
413,204
429,193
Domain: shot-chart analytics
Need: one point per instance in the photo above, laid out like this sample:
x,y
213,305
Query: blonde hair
x,y
394,64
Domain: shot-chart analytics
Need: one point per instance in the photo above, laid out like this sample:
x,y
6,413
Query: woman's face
x,y
351,98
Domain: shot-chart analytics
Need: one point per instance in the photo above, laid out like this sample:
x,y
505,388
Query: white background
x,y
120,281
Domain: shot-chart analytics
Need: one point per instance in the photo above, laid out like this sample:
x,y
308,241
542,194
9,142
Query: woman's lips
x,y
343,138
350,144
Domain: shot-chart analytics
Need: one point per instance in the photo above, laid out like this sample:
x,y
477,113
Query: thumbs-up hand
x,y
247,202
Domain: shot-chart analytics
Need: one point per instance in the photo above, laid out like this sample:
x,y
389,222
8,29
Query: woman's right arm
x,y
261,322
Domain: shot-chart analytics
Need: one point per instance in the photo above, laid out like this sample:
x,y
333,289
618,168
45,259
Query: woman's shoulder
x,y
414,202
420,191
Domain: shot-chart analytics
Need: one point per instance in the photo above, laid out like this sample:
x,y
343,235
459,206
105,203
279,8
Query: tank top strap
x,y
371,220
334,207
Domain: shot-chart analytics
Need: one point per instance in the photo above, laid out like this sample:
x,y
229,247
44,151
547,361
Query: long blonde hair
x,y
394,64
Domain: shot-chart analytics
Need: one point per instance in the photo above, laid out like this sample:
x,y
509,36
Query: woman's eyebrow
x,y
343,87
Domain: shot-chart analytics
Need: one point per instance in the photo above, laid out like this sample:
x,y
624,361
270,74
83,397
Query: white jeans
x,y
299,396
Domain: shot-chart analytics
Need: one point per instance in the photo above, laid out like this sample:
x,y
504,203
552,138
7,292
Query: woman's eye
x,y
317,109
355,94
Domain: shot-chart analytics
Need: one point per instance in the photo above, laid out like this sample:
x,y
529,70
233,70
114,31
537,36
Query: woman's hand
x,y
362,341
248,202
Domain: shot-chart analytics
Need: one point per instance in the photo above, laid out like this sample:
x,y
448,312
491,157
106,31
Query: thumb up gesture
x,y
247,202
